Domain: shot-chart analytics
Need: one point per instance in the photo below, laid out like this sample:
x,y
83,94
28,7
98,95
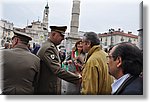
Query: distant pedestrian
x,y
35,49
20,67
95,77
62,53
125,62
29,47
6,45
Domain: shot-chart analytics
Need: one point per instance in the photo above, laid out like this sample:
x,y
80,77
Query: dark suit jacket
x,y
131,86
20,71
51,71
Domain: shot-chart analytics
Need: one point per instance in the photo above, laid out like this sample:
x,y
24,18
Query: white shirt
x,y
118,83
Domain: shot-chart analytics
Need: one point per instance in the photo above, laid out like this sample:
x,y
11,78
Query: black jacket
x,y
131,86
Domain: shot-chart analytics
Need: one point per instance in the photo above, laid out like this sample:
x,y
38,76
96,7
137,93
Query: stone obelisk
x,y
73,35
140,35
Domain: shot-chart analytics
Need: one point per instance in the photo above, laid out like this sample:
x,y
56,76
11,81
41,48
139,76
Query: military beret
x,y
60,29
22,34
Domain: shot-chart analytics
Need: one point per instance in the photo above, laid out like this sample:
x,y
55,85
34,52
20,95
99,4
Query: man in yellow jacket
x,y
95,76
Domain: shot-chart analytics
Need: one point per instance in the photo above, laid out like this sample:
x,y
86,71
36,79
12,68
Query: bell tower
x,y
45,16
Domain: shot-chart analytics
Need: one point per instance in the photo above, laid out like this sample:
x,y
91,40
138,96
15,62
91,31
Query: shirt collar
x,y
22,46
118,83
92,50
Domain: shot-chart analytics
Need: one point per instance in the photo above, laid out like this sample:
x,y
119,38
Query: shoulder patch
x,y
52,56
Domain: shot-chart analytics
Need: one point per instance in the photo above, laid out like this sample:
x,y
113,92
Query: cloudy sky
x,y
95,15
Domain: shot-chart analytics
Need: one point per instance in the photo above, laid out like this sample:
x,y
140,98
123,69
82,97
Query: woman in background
x,y
74,62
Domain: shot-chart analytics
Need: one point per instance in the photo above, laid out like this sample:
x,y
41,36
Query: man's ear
x,y
89,43
53,34
16,40
119,61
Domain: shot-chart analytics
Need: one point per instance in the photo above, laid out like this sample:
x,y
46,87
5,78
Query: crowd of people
x,y
87,69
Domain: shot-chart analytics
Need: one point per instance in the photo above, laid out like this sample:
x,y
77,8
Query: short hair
x,y
92,37
132,58
23,40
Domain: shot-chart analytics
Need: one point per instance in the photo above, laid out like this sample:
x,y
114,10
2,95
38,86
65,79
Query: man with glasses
x,y
125,61
51,72
95,77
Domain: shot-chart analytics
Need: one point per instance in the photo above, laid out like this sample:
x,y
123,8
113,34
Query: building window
x,y
129,40
122,39
134,40
105,43
111,40
101,39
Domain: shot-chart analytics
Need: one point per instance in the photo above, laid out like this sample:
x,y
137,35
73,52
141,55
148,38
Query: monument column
x,y
140,35
73,35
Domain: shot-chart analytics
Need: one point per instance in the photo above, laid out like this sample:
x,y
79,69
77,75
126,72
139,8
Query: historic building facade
x,y
39,30
113,37
6,32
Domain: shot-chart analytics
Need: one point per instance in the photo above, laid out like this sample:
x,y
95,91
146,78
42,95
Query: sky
x,y
95,15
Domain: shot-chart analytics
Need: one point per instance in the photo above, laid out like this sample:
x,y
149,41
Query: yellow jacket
x,y
95,77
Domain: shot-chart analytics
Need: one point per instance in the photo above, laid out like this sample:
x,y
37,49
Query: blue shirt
x,y
118,83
